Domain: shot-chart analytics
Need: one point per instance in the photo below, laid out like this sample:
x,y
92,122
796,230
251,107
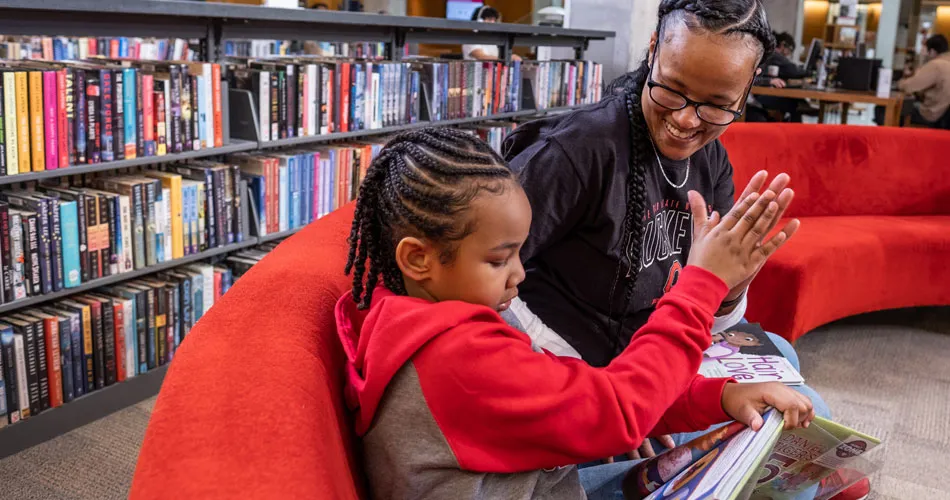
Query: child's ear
x,y
415,258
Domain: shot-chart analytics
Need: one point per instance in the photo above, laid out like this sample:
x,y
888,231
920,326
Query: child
x,y
450,401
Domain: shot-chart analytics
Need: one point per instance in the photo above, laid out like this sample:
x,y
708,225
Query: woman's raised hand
x,y
732,248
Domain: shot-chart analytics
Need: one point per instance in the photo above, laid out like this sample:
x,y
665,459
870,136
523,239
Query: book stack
x,y
290,189
56,236
55,115
564,83
71,48
53,354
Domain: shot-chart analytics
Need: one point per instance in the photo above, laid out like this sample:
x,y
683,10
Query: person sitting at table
x,y
931,86
787,70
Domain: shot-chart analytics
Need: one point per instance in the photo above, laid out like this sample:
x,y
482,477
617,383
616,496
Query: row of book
x,y
62,48
468,89
564,83
494,133
293,188
56,236
57,114
282,48
53,354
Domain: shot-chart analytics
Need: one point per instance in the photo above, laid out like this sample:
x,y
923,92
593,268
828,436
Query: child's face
x,y
486,268
740,339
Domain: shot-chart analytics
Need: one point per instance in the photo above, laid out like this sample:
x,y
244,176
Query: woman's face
x,y
704,67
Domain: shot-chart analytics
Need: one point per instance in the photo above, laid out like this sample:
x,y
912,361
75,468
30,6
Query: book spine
x,y
54,371
108,208
151,257
83,232
80,120
139,115
32,254
131,109
39,338
284,202
29,384
160,124
220,225
98,345
174,120
195,114
93,140
118,118
165,239
203,106
108,343
56,243
118,327
23,121
141,331
36,368
148,114
63,130
17,252
76,350
67,380
6,253
216,103
171,321
106,111
94,238
274,106
8,96
236,208
128,330
138,221
186,138
291,101
45,246
150,325
70,244
10,375
37,122
125,224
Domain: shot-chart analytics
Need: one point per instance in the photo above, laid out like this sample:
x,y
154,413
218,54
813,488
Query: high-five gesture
x,y
732,248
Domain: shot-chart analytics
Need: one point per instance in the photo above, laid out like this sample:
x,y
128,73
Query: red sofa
x,y
875,209
252,405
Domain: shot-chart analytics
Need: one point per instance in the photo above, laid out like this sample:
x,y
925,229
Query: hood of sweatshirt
x,y
380,340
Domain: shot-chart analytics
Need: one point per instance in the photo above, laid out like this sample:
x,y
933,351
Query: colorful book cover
x,y
93,123
745,353
126,257
106,110
131,119
148,114
69,223
23,121
10,123
63,106
172,183
284,190
118,114
37,122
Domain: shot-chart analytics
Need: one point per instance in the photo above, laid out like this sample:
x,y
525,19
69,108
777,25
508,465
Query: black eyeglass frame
x,y
651,84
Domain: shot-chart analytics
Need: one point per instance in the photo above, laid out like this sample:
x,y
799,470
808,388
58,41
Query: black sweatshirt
x,y
574,170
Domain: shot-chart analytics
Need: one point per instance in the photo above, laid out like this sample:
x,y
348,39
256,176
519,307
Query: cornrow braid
x,y
725,17
421,184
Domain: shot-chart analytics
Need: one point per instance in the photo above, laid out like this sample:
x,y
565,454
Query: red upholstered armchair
x,y
875,209
252,406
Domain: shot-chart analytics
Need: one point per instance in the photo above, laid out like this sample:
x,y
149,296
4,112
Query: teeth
x,y
675,132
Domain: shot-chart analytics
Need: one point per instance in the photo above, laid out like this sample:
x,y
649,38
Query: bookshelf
x,y
212,23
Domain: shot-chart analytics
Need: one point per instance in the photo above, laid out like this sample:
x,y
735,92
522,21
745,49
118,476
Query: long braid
x,y
724,17
419,185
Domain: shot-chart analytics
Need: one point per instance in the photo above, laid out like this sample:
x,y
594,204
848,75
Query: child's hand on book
x,y
732,248
747,402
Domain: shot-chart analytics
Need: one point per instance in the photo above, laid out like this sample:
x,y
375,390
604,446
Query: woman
x,y
608,183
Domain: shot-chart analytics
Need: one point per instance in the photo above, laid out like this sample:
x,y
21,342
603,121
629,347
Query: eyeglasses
x,y
672,100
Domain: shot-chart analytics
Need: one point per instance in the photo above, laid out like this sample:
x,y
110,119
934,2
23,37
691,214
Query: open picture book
x,y
745,353
736,463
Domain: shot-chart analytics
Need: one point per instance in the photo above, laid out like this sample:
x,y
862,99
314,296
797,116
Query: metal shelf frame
x,y
212,23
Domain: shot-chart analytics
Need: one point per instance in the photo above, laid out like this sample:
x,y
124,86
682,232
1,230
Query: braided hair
x,y
739,18
420,185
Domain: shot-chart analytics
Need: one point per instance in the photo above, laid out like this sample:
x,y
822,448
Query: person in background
x,y
781,58
479,52
931,85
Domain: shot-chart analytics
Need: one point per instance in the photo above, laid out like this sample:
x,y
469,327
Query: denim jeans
x,y
604,481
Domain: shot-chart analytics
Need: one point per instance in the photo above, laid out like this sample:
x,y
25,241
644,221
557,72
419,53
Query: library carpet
x,y
884,373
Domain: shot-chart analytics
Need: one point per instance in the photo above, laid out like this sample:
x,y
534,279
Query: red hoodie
x,y
453,402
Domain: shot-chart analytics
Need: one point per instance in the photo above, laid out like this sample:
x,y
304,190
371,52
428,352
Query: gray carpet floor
x,y
887,374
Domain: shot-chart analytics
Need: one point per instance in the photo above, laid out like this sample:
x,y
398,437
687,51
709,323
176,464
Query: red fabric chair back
x,y
252,404
847,170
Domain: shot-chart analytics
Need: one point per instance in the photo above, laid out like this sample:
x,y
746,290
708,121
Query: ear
x,y
415,258
653,38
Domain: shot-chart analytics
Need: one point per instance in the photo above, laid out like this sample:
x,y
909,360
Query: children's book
x,y
736,463
745,353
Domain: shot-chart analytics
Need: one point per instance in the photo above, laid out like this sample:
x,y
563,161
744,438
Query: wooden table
x,y
892,104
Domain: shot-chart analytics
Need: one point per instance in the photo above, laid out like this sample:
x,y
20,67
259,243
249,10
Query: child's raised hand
x,y
746,403
732,248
